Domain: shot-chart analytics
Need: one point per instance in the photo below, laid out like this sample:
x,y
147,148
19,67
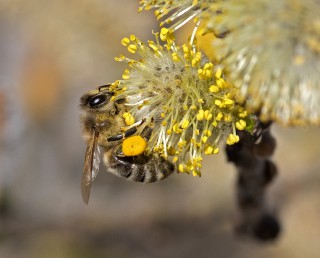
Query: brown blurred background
x,y
51,52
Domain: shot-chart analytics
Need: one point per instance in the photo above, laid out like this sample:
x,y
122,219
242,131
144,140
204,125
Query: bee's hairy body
x,y
141,168
101,121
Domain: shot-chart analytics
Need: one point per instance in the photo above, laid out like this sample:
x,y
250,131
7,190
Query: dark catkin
x,y
251,156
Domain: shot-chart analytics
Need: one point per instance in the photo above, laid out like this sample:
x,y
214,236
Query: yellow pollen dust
x,y
134,145
128,118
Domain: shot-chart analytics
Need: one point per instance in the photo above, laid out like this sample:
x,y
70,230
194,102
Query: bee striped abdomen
x,y
141,168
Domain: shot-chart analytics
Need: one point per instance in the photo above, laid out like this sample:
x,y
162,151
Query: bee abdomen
x,y
141,168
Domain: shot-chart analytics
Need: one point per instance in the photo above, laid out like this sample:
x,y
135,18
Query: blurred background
x,y
52,52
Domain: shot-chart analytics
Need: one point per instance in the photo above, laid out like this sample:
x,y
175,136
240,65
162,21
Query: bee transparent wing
x,y
91,166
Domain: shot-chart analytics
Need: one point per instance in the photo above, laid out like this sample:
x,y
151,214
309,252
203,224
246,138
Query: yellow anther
x,y
164,155
164,123
126,74
207,66
218,102
215,123
204,139
232,139
176,128
200,101
185,48
132,37
134,145
120,58
171,151
158,148
200,115
207,115
132,48
181,168
125,42
195,62
241,124
228,102
219,116
182,144
218,73
196,173
153,46
243,114
227,117
175,57
169,132
216,150
221,83
164,34
190,166
208,150
162,115
207,133
214,88
184,124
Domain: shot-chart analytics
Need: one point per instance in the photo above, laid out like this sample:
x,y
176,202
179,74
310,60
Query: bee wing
x,y
91,166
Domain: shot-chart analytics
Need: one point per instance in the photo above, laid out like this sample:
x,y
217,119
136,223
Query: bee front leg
x,y
127,133
131,131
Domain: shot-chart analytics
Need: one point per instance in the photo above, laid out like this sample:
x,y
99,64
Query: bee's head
x,y
98,108
97,100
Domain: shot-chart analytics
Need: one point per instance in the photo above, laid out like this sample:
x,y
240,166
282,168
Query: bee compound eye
x,y
97,100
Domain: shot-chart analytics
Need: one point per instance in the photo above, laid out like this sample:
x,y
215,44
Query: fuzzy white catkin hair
x,y
272,52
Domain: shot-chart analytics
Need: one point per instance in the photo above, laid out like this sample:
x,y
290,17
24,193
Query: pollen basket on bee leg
x,y
134,145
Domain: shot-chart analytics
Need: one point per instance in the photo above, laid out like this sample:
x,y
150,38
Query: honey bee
x,y
123,151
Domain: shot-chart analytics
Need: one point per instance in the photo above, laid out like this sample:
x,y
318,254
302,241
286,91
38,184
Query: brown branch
x,y
255,172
